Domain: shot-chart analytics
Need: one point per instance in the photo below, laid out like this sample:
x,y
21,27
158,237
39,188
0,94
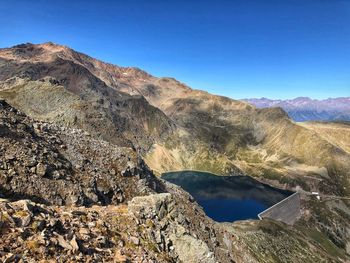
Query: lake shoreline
x,y
227,198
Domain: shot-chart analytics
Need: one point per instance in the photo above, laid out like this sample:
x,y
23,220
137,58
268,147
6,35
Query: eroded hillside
x,y
121,116
66,196
337,133
199,131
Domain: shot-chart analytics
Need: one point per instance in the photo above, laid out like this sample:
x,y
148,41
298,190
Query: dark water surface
x,y
227,198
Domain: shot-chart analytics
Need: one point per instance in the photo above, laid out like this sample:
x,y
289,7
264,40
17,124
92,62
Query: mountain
x,y
54,85
67,196
173,126
338,133
157,125
306,109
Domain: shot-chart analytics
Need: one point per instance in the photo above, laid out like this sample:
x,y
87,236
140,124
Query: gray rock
x,y
10,157
74,244
155,205
118,197
102,240
12,172
56,175
121,243
135,240
41,169
25,220
63,243
191,250
11,258
31,163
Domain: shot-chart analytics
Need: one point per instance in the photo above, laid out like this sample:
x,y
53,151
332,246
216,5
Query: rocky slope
x,y
66,170
69,197
306,109
94,123
39,157
172,125
74,96
219,134
338,133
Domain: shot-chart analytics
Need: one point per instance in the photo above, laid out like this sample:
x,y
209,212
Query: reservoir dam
x,y
232,198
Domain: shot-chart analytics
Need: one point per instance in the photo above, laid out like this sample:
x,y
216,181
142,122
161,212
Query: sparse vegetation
x,y
103,118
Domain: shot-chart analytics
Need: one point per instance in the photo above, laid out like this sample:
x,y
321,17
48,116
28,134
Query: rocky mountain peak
x,y
84,140
33,52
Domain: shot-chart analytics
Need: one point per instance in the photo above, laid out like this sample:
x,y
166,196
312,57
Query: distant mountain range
x,y
306,109
78,131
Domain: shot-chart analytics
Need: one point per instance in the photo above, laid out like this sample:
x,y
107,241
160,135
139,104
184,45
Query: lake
x,y
227,198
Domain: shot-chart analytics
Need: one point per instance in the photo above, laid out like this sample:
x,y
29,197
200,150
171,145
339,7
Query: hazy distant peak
x,y
305,108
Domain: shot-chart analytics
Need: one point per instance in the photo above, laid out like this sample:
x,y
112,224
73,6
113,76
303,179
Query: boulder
x,y
190,249
155,205
41,169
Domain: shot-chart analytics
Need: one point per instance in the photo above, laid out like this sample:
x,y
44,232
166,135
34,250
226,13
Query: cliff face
x,y
92,133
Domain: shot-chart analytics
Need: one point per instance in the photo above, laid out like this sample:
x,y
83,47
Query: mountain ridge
x,y
307,109
216,125
173,127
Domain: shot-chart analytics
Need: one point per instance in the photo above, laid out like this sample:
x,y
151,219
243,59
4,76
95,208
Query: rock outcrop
x,y
32,232
66,198
74,141
169,230
60,166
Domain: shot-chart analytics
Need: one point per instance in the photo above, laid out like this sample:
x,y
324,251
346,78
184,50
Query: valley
x,y
102,135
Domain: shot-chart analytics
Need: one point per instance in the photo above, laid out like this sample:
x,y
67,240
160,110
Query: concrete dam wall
x,y
287,210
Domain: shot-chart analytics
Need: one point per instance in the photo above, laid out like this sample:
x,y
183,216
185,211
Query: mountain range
x,y
306,109
116,129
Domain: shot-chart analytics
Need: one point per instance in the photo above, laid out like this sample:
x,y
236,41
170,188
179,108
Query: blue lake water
x,y
227,198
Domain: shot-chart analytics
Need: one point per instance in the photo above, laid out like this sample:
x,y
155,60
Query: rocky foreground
x,y
148,230
62,191
78,140
69,197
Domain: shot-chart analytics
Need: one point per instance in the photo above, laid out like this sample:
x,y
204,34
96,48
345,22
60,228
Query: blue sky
x,y
237,48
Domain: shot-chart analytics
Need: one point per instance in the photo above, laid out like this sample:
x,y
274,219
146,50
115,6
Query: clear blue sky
x,y
244,48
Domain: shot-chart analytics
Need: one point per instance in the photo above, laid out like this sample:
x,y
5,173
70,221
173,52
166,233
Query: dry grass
x,y
336,133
